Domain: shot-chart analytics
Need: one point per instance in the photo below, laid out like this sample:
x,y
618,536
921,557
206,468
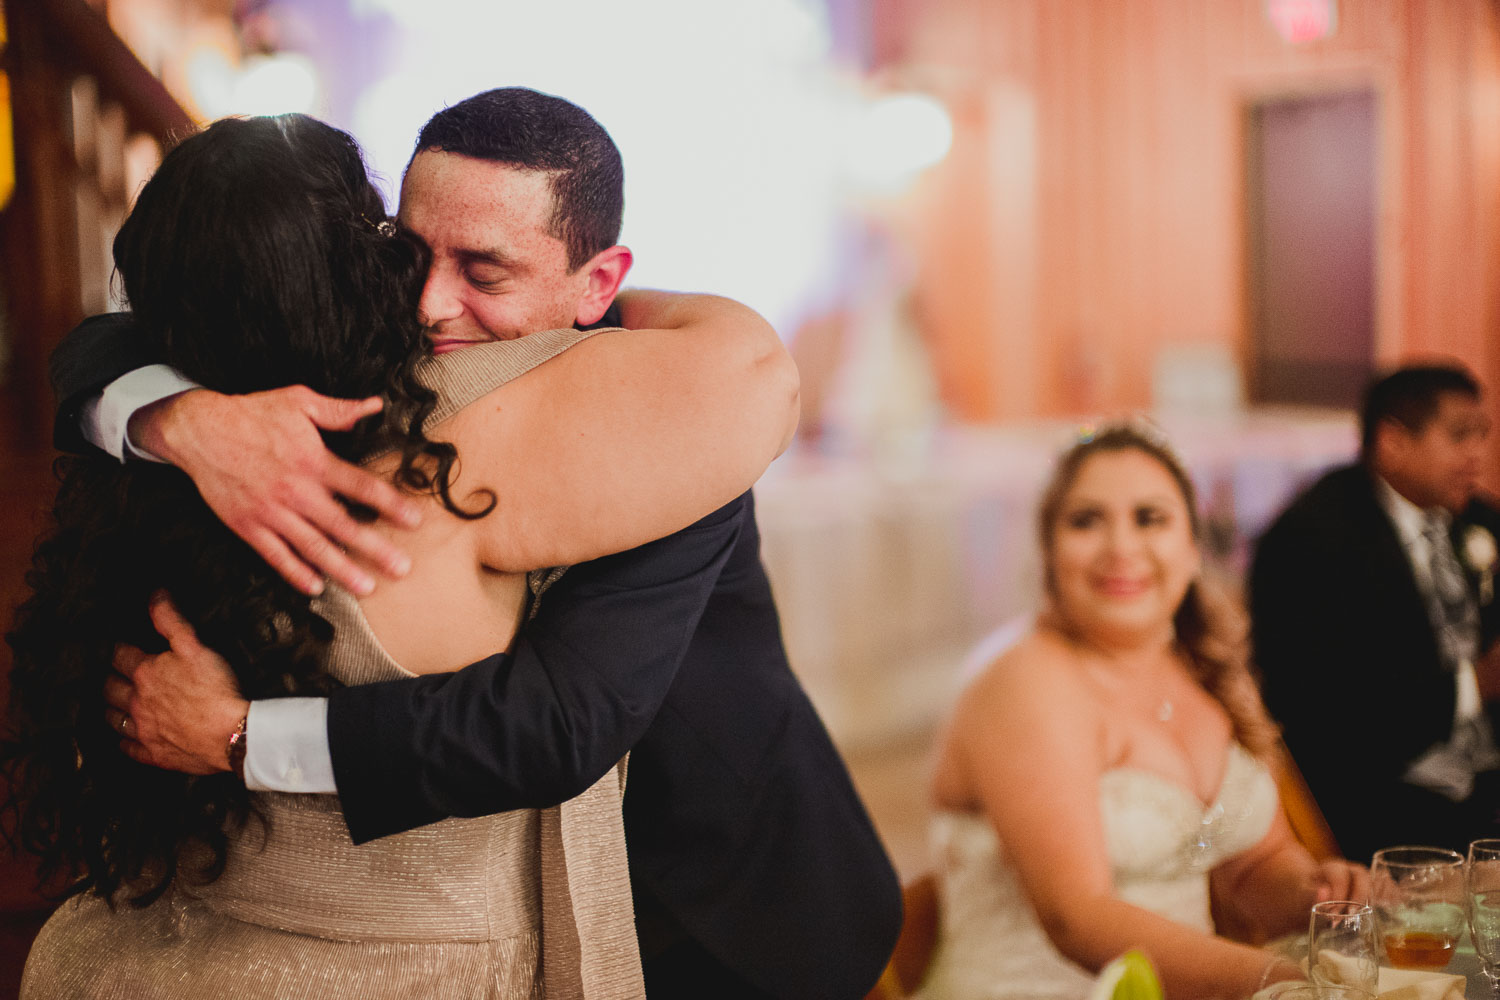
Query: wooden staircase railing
x,y
89,122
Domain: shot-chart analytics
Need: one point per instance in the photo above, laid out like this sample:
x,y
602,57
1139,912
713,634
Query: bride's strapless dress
x,y
1161,841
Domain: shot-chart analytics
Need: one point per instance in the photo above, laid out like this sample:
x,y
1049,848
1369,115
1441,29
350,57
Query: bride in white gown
x,y
1098,776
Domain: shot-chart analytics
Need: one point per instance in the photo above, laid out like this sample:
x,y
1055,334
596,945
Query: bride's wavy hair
x,y
254,258
1212,629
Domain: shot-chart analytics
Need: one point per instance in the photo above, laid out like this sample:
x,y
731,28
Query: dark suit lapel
x,y
1389,561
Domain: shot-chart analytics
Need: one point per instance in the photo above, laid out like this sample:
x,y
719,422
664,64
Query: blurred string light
x,y
744,144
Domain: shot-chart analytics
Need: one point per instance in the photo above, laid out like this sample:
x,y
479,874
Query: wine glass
x,y
1484,908
1419,897
1342,946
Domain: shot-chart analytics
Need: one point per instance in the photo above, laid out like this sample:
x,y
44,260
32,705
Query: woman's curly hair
x,y
253,259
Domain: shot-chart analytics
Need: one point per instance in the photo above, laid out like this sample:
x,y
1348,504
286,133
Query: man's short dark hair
x,y
534,131
1411,396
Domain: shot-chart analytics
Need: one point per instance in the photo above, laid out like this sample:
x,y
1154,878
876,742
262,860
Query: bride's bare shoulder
x,y
1028,706
1038,673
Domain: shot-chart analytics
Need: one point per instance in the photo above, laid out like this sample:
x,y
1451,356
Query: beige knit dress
x,y
524,904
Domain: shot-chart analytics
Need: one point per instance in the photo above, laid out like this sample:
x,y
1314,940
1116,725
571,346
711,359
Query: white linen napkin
x,y
1413,984
1394,984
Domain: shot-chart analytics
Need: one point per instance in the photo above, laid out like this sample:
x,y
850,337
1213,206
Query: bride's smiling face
x,y
1121,553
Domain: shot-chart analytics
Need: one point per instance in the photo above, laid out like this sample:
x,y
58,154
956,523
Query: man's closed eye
x,y
486,278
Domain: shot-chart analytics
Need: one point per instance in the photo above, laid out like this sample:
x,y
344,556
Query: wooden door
x,y
1312,215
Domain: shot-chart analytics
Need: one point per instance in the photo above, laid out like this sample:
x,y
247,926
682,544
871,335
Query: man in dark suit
x,y
754,867
1374,623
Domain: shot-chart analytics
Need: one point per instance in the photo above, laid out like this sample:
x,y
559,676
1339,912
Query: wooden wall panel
x,y
1137,232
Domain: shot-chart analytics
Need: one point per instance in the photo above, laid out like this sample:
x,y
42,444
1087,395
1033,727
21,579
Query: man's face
x,y
1439,464
497,274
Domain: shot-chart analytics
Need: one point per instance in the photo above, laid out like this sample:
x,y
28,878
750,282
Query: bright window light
x,y
894,138
211,81
733,119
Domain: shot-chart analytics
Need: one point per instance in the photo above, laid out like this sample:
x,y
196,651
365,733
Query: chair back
x,y
1302,811
918,940
1308,826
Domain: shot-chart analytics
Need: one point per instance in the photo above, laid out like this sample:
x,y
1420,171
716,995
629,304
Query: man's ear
x,y
1392,439
605,274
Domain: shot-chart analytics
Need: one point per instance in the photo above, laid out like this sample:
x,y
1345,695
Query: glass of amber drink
x,y
1419,899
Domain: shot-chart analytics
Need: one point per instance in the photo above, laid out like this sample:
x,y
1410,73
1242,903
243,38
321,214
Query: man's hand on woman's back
x,y
175,709
260,464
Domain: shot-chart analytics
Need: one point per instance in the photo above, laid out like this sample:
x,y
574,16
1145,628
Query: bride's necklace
x,y
1166,708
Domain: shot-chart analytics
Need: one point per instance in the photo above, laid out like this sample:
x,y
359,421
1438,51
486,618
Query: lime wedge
x,y
1129,977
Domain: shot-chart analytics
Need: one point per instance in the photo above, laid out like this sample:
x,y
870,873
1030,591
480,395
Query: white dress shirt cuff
x,y
105,419
286,746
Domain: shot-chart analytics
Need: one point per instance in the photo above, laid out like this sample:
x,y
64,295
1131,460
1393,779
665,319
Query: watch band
x,y
236,749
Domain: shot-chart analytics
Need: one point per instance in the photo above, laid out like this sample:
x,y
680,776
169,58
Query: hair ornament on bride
x,y
385,227
1138,424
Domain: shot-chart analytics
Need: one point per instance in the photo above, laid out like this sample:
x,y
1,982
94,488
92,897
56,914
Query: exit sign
x,y
1303,20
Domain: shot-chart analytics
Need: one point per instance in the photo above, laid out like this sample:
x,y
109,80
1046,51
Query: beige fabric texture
x,y
524,904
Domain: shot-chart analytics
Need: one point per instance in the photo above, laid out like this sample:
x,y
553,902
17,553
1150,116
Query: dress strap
x,y
356,656
589,947
460,377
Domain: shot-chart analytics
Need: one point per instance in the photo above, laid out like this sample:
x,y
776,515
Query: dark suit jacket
x,y
1349,659
96,352
742,824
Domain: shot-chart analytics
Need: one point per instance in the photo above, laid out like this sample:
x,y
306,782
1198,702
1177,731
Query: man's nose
x,y
439,301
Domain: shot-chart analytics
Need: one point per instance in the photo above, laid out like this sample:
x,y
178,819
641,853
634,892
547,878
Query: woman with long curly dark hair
x,y
259,256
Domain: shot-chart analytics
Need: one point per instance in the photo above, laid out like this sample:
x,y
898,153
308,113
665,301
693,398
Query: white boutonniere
x,y
1480,554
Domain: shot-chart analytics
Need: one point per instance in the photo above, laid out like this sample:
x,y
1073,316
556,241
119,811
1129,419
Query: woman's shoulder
x,y
1029,707
1039,673
1041,656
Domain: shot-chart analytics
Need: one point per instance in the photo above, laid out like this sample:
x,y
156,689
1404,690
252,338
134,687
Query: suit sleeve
x,y
92,355
537,726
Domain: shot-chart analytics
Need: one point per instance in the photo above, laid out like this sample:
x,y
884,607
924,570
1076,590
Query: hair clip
x,y
385,227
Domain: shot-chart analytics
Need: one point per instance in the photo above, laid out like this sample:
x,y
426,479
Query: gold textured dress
x,y
525,904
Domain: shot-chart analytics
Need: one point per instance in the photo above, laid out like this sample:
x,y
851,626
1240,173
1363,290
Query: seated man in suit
x,y
755,871
1374,623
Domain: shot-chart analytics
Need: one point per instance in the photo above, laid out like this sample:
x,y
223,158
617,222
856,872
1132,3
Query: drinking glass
x,y
1484,908
1419,899
1342,947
